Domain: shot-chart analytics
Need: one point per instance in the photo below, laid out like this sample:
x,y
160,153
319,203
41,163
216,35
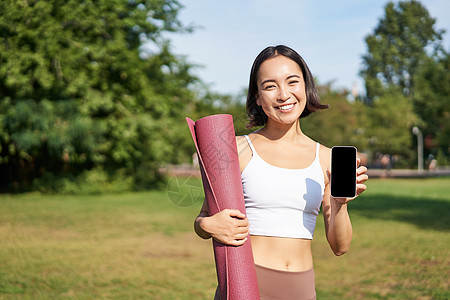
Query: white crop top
x,y
282,202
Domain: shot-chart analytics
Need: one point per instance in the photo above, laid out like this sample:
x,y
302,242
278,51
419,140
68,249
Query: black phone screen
x,y
343,171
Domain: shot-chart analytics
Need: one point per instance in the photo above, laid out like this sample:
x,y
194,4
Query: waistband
x,y
285,285
283,271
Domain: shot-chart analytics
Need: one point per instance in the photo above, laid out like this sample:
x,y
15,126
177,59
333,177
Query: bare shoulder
x,y
325,155
244,151
325,160
240,141
242,144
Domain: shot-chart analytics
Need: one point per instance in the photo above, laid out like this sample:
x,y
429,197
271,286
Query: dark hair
x,y
256,115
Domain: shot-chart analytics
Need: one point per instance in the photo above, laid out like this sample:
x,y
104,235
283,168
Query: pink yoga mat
x,y
215,141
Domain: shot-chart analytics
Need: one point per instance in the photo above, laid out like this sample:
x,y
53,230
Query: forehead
x,y
278,67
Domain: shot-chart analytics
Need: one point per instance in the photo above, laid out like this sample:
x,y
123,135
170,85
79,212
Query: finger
x,y
360,188
241,236
358,161
237,242
361,170
236,213
243,230
242,222
362,178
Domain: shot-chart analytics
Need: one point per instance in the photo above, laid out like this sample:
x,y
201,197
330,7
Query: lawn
x,y
142,246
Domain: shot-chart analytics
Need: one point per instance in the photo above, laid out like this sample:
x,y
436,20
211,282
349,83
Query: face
x,y
281,90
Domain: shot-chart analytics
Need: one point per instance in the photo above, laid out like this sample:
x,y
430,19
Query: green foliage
x,y
95,181
81,100
85,107
398,47
391,118
383,127
406,57
432,102
341,124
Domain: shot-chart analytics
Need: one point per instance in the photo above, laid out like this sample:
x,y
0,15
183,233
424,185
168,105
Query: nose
x,y
283,93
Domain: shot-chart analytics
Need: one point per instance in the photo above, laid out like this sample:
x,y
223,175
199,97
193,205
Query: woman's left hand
x,y
361,178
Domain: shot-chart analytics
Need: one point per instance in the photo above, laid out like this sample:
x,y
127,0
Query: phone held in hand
x,y
343,171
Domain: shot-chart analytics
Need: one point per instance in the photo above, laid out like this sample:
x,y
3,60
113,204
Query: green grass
x,y
142,246
400,246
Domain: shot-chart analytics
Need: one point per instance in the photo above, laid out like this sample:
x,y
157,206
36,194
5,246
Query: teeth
x,y
286,107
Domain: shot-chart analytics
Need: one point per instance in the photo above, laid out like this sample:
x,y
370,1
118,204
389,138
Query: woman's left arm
x,y
338,227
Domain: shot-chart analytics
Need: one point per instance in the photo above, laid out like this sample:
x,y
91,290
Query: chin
x,y
286,121
290,119
285,118
291,122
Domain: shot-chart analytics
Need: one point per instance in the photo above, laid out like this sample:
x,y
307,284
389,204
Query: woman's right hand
x,y
229,227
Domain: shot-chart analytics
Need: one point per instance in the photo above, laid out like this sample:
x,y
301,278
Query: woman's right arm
x,y
229,226
198,227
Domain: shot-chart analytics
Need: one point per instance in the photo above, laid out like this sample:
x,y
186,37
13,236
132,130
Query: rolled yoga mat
x,y
215,141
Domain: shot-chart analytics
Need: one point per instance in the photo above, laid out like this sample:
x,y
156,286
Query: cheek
x,y
300,91
262,99
265,104
300,94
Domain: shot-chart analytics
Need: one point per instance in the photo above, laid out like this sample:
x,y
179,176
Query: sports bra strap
x,y
250,144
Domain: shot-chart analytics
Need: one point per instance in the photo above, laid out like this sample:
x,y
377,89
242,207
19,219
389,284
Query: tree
x,y
79,95
403,40
341,124
390,120
383,127
406,57
432,104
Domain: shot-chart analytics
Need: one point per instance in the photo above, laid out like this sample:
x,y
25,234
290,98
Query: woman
x,y
285,177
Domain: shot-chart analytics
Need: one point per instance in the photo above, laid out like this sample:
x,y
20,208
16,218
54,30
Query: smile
x,y
286,107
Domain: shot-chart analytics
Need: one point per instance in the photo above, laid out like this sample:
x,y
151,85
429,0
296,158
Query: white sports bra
x,y
282,202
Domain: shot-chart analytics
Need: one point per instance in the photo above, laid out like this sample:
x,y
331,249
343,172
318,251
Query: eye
x,y
293,82
269,87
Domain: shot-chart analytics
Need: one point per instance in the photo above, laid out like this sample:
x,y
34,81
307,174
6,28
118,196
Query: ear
x,y
258,102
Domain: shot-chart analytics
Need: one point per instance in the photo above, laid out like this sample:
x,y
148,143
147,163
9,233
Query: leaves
x,y
77,94
401,42
406,58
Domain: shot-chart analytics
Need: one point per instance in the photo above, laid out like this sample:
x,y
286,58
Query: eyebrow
x,y
287,78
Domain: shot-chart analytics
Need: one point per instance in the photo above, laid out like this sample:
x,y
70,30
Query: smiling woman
x,y
282,93
295,75
285,180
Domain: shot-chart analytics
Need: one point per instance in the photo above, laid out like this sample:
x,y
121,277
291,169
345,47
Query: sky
x,y
328,34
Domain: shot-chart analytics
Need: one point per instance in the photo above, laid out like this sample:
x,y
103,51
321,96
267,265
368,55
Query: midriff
x,y
287,254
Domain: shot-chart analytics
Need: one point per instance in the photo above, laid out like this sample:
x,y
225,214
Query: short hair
x,y
255,113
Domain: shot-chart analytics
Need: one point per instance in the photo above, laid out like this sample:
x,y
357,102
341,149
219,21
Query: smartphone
x,y
343,171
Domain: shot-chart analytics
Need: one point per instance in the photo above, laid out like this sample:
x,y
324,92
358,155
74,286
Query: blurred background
x,y
97,91
99,185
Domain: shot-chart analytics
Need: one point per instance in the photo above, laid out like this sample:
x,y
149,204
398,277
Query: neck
x,y
276,131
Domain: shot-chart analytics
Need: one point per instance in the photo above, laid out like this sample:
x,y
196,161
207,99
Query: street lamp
x,y
416,131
